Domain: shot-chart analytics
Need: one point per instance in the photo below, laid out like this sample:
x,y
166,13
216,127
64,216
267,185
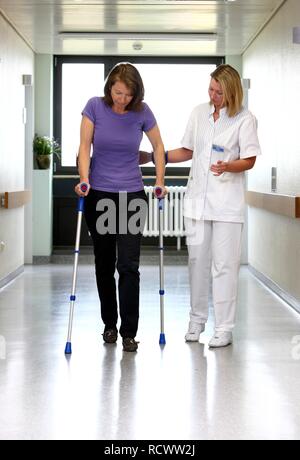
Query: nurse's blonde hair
x,y
230,82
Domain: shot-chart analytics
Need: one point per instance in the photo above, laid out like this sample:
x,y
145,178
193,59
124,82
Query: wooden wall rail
x,y
286,205
11,200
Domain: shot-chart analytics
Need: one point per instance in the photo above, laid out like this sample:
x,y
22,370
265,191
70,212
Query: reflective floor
x,y
249,390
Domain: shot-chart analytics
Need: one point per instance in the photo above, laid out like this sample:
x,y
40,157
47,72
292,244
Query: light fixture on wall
x,y
137,36
296,35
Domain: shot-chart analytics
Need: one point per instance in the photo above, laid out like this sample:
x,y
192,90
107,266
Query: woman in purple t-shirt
x,y
114,126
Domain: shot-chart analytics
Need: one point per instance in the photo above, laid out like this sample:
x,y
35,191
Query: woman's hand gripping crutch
x,y
160,192
82,190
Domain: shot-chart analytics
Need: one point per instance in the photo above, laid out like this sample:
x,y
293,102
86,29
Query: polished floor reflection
x,y
249,390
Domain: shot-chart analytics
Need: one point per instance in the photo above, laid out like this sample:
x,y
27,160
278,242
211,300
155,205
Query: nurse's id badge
x,y
217,153
218,148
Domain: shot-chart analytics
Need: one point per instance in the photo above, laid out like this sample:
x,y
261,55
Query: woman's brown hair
x,y
231,85
129,75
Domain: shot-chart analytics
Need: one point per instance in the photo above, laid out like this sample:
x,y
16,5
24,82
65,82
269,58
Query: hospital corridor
x,y
149,222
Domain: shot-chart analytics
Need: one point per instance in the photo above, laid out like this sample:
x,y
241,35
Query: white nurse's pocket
x,y
193,206
194,230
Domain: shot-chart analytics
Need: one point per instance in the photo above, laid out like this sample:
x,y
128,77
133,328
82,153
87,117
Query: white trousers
x,y
214,249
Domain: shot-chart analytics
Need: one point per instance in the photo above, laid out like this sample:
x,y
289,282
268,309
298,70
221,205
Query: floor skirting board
x,y
7,279
292,301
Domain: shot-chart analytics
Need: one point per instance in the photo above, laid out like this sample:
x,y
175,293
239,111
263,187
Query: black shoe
x,y
129,344
110,335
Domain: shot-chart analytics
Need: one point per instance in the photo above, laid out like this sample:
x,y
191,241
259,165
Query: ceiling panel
x,y
234,22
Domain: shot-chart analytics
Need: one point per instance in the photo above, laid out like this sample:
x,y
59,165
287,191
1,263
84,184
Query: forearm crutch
x,y
80,209
158,192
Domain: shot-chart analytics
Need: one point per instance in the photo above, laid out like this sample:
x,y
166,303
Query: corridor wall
x,y
272,63
16,60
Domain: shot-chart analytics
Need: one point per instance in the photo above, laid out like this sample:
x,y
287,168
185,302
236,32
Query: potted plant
x,y
43,148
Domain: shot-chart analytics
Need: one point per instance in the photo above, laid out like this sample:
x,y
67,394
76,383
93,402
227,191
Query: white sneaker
x,y
220,339
194,331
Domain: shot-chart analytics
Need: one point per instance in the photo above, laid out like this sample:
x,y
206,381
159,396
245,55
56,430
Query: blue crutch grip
x,y
80,204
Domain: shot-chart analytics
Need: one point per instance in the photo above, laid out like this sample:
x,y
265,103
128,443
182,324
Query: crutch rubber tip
x,y
68,349
162,339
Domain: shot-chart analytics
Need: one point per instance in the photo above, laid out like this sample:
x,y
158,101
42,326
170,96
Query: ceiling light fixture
x,y
137,46
201,36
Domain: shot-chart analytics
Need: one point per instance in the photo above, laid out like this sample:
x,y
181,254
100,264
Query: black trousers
x,y
115,222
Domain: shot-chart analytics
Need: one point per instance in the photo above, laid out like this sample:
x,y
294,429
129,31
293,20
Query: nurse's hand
x,y
219,168
145,157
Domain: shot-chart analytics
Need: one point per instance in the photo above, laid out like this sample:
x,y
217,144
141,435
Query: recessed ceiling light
x,y
137,46
201,36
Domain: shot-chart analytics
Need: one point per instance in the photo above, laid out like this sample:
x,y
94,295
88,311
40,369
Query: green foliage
x,y
43,145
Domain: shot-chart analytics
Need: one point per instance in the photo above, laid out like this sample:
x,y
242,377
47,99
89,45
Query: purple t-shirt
x,y
116,142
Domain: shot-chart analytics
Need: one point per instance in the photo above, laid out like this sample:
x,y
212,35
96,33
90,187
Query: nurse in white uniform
x,y
221,139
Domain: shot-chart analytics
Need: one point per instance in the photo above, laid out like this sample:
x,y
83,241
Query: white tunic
x,y
210,197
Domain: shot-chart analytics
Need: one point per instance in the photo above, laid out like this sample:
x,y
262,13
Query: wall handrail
x,y
286,205
10,200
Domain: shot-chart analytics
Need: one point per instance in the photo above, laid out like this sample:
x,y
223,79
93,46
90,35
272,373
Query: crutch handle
x,y
158,192
84,187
